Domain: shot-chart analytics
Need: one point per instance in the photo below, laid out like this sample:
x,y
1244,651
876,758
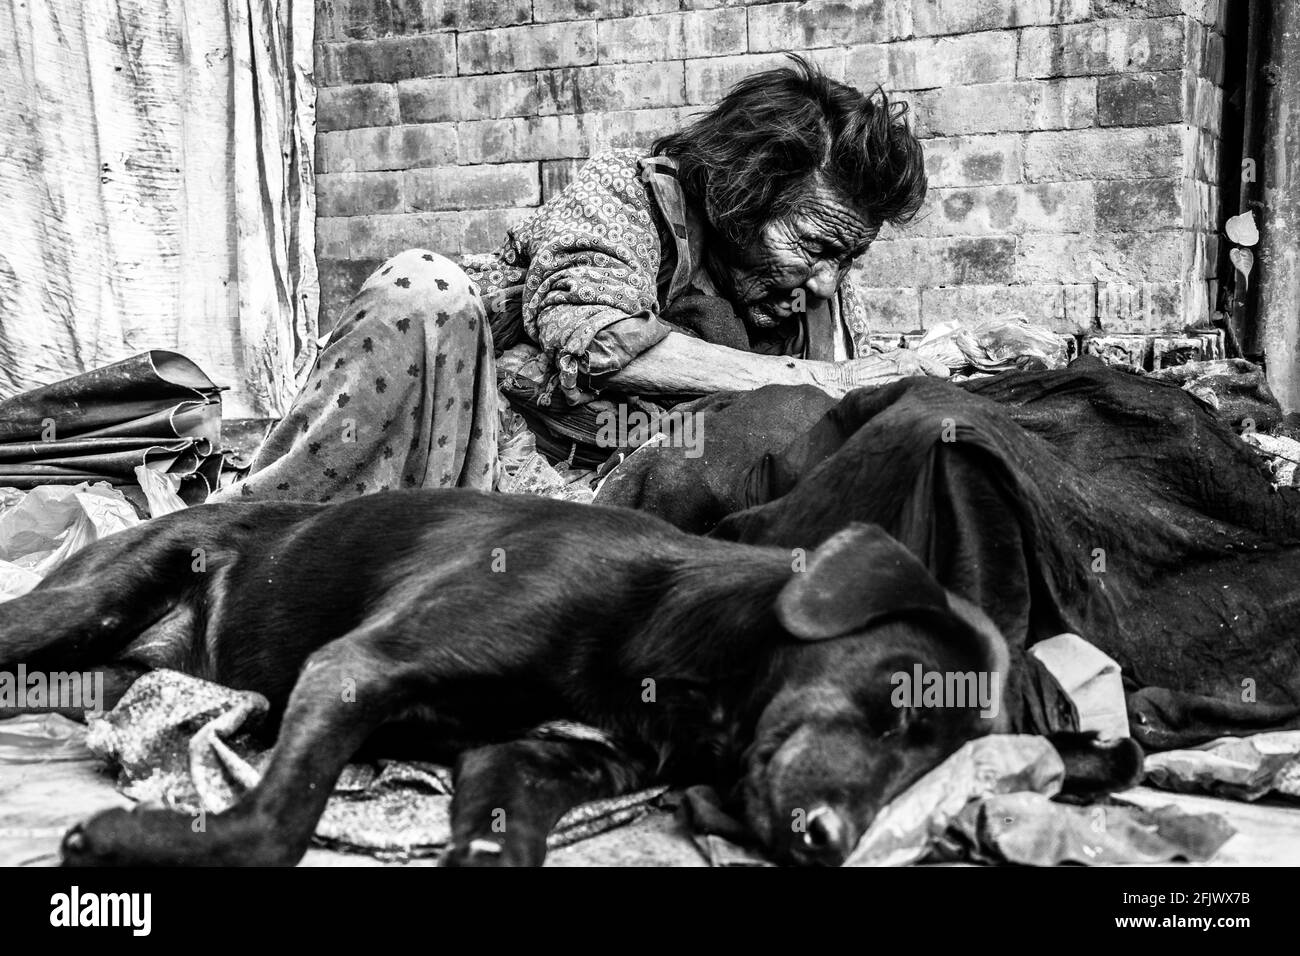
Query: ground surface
x,y
45,788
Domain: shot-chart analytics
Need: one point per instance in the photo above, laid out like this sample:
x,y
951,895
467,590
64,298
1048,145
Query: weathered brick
x,y
1132,9
932,62
672,36
472,187
708,80
1155,151
431,100
348,107
1090,257
950,260
497,95
799,26
892,309
545,11
1145,205
469,97
340,280
332,238
387,60
1007,210
630,128
1139,306
481,14
1068,309
990,159
616,87
556,174
1204,163
934,17
1213,57
1125,351
485,229
386,147
359,194
1204,103
381,237
532,47
367,19
531,138
1109,46
865,66
1201,206
1141,99
997,107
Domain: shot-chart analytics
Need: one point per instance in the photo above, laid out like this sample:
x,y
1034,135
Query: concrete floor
x,y
46,786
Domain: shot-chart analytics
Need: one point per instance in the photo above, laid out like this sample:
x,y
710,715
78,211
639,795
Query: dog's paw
x,y
98,841
1095,767
474,853
486,852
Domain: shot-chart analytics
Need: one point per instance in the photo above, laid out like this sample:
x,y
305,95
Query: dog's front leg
x,y
342,695
509,796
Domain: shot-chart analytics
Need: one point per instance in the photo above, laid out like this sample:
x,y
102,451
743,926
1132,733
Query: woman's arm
x,y
682,365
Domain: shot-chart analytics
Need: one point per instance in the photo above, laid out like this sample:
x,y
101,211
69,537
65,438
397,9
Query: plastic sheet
x,y
42,527
994,345
1239,768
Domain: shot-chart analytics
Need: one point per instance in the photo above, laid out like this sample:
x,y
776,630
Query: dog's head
x,y
886,675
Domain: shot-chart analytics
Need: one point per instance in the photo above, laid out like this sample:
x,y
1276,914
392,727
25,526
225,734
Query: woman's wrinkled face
x,y
798,261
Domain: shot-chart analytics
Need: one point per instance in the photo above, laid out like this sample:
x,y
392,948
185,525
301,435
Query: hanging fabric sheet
x,y
157,177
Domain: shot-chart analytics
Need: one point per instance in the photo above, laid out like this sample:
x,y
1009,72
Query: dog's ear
x,y
859,575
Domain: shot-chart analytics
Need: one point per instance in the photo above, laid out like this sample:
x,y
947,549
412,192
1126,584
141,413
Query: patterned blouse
x,y
588,274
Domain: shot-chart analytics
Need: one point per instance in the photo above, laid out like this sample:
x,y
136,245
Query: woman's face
x,y
798,261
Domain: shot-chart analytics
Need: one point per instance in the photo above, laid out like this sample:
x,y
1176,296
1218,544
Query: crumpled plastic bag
x,y
1239,768
1281,454
1091,679
523,470
186,744
1032,830
160,491
41,528
994,345
907,827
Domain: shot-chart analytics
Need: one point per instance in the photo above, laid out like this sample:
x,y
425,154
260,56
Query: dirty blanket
x,y
186,744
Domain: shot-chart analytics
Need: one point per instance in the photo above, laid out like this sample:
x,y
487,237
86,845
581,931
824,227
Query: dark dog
x,y
472,619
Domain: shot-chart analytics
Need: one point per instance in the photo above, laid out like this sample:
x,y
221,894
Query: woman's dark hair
x,y
753,156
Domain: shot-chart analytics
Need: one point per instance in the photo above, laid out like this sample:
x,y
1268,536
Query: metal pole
x,y
1279,249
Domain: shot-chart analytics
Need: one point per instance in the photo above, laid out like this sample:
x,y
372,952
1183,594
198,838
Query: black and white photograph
x,y
651,434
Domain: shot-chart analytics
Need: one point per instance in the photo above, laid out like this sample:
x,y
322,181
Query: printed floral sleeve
x,y
853,315
589,298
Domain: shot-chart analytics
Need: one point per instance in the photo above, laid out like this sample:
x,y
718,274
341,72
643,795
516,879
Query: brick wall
x,y
1071,144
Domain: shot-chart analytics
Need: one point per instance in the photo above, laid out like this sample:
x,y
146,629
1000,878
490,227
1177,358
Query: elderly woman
x,y
717,262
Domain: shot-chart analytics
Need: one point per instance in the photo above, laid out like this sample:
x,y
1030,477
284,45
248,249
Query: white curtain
x,y
156,190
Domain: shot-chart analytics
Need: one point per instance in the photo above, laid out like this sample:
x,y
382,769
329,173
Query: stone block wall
x,y
1072,145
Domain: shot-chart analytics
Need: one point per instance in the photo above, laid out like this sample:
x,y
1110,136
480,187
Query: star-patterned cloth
x,y
403,395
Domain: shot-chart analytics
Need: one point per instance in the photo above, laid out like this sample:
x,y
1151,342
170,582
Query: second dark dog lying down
x,y
1086,499
474,618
